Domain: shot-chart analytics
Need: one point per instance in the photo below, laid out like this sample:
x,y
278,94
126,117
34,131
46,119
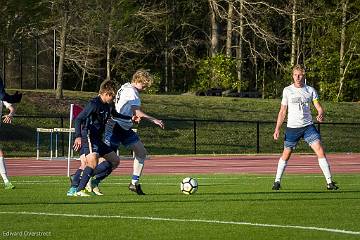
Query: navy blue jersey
x,y
92,118
15,98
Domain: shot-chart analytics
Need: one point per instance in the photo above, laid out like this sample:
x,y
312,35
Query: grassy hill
x,y
42,102
215,130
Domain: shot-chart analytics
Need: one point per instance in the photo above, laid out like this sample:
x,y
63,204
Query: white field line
x,y
331,230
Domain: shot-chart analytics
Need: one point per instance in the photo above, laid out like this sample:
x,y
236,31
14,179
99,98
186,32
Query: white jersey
x,y
298,101
126,97
6,104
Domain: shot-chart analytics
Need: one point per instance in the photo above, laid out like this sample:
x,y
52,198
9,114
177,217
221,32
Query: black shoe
x,y
15,98
332,186
136,188
276,186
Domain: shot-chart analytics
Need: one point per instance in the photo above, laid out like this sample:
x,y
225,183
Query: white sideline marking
x,y
188,220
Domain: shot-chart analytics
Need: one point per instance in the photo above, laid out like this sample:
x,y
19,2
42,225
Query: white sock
x,y
3,170
137,170
325,168
280,170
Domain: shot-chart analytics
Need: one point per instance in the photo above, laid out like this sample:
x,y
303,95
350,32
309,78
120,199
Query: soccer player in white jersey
x,y
296,101
119,128
7,119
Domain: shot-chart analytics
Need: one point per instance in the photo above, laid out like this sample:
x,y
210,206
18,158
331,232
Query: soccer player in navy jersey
x,y
89,129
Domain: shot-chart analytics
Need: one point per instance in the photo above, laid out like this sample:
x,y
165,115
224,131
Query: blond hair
x,y
142,76
298,67
108,87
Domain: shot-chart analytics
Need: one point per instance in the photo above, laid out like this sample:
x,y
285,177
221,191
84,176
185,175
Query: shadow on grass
x,y
195,199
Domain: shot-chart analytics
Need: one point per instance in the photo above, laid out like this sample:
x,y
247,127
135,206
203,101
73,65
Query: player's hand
x,y
77,144
159,123
320,117
7,118
276,134
136,119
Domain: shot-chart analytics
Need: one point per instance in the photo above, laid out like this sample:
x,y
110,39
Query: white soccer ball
x,y
189,185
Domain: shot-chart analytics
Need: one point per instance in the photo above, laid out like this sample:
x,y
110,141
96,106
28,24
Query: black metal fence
x,y
181,136
29,63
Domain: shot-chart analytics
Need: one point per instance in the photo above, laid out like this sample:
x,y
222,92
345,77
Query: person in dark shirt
x,y
89,129
15,98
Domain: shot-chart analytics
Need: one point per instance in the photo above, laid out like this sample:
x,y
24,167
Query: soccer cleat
x,y
96,191
136,188
276,186
71,192
82,193
332,186
95,187
9,186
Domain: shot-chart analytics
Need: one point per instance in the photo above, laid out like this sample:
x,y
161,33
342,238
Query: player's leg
x,y
140,154
312,137
106,165
109,162
7,183
91,162
114,135
76,177
292,137
109,158
282,163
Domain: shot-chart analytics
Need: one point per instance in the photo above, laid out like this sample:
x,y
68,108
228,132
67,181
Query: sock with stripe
x,y
87,173
137,170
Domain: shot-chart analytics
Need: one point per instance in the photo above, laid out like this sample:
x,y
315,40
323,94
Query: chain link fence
x,y
179,137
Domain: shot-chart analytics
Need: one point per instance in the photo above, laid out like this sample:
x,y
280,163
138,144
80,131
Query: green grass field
x,y
225,207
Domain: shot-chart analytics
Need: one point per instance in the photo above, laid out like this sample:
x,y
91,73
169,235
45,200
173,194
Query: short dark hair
x,y
108,87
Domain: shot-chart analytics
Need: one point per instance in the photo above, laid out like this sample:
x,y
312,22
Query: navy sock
x,y
87,173
102,170
76,178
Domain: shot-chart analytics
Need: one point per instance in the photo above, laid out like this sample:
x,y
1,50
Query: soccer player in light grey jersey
x,y
119,128
296,101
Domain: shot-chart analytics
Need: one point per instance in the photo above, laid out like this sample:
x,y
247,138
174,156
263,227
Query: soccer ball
x,y
189,185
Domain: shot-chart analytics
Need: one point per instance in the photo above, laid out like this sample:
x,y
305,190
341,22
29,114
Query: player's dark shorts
x,y
96,143
293,135
116,135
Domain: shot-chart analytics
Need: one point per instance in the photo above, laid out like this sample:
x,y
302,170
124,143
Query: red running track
x,y
256,164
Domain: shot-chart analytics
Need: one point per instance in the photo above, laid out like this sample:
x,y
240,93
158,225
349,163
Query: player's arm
x,y
140,114
320,110
280,120
8,118
81,118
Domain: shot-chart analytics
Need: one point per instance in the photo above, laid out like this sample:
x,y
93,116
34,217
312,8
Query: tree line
x,y
189,45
